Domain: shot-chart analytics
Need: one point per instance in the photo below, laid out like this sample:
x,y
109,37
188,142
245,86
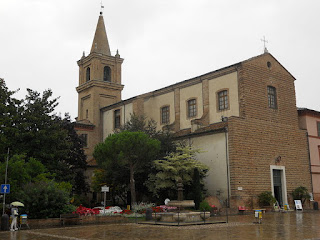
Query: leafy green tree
x,y
181,163
30,127
128,152
139,123
21,172
10,109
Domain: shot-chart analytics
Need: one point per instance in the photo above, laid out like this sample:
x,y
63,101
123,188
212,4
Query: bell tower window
x,y
88,74
107,74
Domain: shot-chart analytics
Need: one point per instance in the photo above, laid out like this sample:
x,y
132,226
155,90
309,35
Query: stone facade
x,y
245,120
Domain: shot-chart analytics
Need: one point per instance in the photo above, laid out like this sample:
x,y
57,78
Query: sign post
x,y
5,188
104,189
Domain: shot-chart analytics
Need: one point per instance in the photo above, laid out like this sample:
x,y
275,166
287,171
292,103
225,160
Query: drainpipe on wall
x,y
227,165
309,163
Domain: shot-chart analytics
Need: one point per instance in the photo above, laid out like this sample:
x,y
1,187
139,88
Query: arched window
x,y
107,74
88,74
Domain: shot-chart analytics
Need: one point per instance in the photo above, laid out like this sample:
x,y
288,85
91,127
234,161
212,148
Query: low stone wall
x,y
94,219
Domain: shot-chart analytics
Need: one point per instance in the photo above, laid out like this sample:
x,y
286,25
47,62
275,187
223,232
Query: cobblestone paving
x,y
292,225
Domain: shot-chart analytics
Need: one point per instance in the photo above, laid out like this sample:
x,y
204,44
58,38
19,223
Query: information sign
x,y
298,204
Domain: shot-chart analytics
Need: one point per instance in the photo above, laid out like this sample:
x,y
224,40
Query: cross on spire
x,y
264,44
102,7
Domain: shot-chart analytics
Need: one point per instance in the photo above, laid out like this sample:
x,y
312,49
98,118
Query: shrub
x,y
266,199
301,193
205,206
45,200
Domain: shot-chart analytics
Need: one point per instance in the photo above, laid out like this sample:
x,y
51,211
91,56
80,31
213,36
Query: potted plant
x,y
301,193
266,200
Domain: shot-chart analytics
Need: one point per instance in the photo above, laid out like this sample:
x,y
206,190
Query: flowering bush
x,y
83,211
157,209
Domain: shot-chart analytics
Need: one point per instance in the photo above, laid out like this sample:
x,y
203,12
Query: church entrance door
x,y
277,186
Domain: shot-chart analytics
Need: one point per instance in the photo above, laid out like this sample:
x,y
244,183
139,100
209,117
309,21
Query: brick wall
x,y
262,134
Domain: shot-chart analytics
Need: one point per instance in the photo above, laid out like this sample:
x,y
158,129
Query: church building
x,y
243,117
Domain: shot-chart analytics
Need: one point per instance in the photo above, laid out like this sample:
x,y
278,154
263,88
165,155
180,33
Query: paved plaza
x,y
290,225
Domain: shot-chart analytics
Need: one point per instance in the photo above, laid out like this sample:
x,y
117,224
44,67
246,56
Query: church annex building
x,y
243,117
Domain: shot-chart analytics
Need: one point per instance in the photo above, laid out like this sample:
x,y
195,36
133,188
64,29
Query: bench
x,y
64,217
242,209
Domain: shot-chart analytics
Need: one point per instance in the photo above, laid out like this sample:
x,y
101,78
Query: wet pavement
x,y
290,225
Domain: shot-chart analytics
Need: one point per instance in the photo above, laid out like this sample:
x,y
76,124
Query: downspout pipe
x,y
307,135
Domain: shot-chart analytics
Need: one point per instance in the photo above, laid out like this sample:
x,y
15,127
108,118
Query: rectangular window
x,y
165,115
117,118
84,140
318,124
223,100
272,97
192,108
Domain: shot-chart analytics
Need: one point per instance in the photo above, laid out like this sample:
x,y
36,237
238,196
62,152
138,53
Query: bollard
x,y
148,214
5,222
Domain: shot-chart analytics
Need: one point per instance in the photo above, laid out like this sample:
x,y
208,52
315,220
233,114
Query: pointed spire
x,y
100,42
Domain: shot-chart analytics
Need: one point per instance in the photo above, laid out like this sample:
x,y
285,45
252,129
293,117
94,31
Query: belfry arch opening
x,y
107,74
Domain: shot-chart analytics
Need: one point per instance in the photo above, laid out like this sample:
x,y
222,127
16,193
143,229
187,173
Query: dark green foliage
x,y
21,172
301,193
205,206
45,200
162,182
124,155
266,199
30,127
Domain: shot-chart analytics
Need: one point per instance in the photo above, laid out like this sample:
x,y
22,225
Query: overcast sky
x,y
162,42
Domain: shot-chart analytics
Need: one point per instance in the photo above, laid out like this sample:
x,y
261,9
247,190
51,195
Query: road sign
x,y
105,189
5,188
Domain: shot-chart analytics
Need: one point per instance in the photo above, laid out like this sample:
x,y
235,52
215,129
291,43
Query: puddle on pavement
x,y
291,225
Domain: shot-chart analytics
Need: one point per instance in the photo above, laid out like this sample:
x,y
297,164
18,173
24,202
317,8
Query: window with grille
x,y
223,100
192,108
272,97
117,118
165,115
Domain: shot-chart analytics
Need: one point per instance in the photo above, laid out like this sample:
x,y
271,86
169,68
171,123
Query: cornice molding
x,y
101,84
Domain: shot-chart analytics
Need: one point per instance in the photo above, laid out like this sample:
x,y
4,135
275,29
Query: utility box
x,y
5,222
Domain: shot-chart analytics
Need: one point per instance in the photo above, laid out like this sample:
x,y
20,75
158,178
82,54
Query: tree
x,y
22,171
140,123
128,152
181,163
30,127
10,109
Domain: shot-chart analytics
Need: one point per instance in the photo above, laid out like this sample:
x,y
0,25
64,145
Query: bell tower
x,y
99,86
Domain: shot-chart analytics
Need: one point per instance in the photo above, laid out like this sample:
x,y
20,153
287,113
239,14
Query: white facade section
x,y
226,82
214,155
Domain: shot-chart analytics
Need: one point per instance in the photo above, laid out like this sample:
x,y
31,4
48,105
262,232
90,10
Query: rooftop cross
x,y
101,8
264,44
